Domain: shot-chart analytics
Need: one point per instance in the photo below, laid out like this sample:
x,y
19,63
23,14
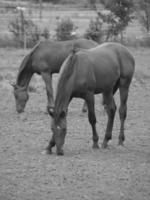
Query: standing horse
x,y
102,69
45,59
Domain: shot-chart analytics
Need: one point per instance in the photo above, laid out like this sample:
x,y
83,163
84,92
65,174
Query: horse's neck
x,y
24,78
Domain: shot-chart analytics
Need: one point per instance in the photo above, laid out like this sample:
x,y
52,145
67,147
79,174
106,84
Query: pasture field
x,y
116,173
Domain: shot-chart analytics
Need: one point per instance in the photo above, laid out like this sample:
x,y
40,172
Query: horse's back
x,y
50,54
54,47
111,56
103,65
115,54
85,43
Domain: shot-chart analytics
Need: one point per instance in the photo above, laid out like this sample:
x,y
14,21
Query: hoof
x,y
104,145
95,146
60,153
120,143
48,150
45,152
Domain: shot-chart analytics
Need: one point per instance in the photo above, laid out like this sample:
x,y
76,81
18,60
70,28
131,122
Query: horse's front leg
x,y
92,118
110,108
49,89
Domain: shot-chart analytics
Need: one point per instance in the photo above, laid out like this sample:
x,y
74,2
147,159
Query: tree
x,y
144,14
40,7
94,31
65,29
119,16
122,10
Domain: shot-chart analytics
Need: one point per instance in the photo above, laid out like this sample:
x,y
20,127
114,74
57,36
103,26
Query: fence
x,y
49,18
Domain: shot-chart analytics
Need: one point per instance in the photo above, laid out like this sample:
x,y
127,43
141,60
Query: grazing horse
x,y
102,69
44,59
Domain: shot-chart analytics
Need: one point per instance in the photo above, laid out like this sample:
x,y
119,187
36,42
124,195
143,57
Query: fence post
x,y
40,1
25,40
22,34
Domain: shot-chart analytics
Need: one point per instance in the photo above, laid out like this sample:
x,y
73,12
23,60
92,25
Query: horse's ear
x,y
51,111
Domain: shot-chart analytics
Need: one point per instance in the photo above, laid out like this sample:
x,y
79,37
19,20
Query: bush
x,y
65,29
121,14
26,32
94,30
142,41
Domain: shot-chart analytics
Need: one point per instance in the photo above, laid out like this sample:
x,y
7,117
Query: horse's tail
x,y
65,81
67,66
66,70
35,47
75,49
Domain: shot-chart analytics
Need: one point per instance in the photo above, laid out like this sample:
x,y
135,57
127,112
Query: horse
x,y
44,59
101,70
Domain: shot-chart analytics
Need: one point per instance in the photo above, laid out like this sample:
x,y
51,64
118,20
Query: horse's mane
x,y
26,61
67,69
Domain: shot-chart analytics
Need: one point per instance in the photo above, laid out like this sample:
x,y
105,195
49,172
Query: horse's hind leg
x,y
124,88
110,107
92,118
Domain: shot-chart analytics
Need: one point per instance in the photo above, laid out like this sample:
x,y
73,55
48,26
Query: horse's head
x,y
21,98
58,126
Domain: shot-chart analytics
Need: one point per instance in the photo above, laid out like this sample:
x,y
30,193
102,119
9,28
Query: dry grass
x,y
118,173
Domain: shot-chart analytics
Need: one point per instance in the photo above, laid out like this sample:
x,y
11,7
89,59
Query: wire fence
x,y
50,18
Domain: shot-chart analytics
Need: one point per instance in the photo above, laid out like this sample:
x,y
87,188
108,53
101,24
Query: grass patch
x,y
6,41
141,77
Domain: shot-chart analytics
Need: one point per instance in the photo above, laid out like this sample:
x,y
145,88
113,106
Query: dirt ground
x,y
116,173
